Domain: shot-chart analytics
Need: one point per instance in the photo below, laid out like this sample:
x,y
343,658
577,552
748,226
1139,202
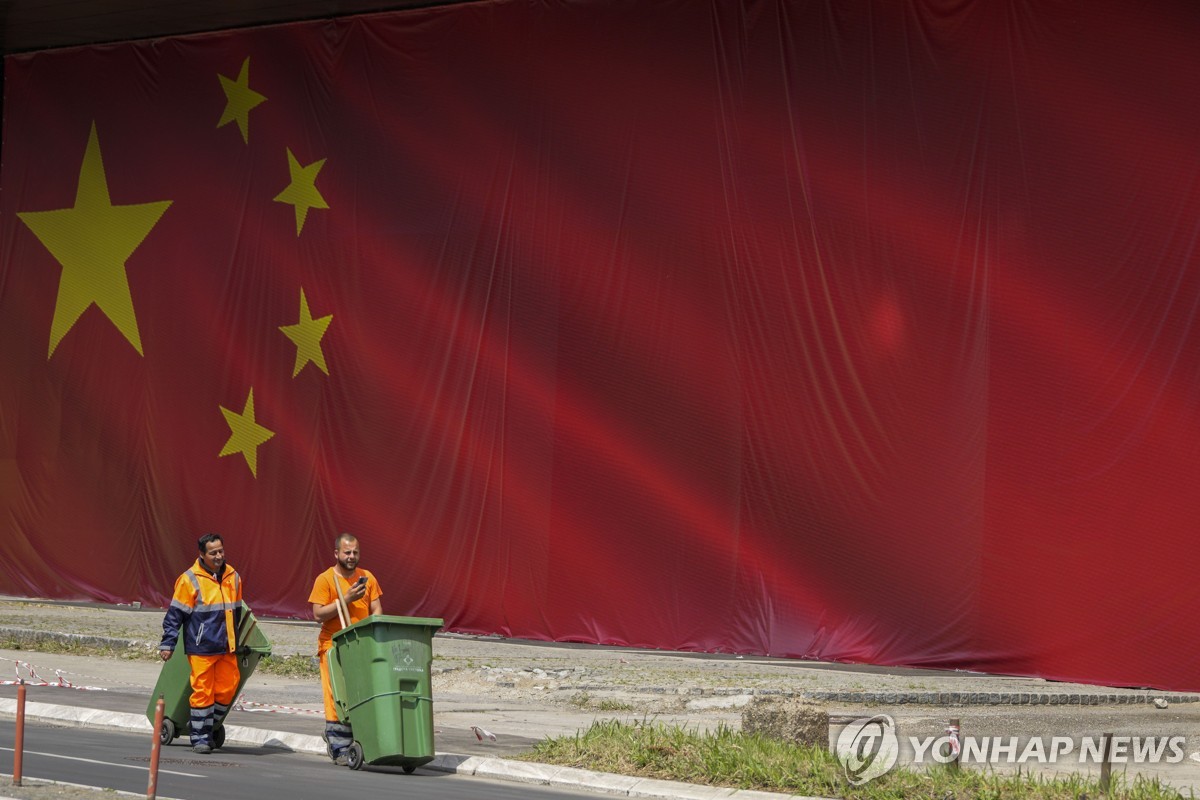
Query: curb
x,y
476,766
26,636
996,698
927,698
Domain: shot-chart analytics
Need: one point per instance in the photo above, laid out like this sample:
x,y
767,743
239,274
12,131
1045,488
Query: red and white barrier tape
x,y
61,672
241,704
955,744
36,680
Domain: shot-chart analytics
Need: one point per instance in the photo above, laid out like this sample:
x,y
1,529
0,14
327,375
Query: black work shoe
x,y
202,749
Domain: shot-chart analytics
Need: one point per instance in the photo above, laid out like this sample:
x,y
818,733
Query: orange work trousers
x,y
214,679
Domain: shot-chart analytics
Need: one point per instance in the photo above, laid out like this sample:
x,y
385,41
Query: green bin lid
x,y
387,619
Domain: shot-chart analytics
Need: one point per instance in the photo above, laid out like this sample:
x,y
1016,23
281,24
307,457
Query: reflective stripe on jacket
x,y
206,610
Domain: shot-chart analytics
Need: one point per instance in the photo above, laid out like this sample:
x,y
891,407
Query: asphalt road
x,y
120,761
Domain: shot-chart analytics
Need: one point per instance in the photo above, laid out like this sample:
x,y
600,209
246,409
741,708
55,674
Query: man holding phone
x,y
361,592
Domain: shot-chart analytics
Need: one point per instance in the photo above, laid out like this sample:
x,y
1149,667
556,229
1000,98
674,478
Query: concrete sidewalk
x,y
522,692
113,694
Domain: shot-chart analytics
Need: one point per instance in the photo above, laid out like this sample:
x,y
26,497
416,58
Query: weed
x,y
608,704
293,666
585,701
726,757
74,647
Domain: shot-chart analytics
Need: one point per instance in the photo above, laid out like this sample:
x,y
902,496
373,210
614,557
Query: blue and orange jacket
x,y
206,609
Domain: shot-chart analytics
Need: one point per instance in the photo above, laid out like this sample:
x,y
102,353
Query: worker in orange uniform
x,y
362,593
206,610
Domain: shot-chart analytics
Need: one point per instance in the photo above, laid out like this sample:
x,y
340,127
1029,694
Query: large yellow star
x,y
306,335
245,434
302,191
92,241
239,99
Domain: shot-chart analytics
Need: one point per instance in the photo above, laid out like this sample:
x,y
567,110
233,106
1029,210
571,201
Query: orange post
x,y
155,749
1106,765
19,744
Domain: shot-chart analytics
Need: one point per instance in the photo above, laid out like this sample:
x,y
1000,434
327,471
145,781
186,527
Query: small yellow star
x,y
92,242
306,335
239,99
302,191
246,434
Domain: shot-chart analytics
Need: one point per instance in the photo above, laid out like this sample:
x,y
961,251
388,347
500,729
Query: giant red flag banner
x,y
860,331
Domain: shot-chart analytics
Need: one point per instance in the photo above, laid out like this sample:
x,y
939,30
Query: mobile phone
x,y
362,580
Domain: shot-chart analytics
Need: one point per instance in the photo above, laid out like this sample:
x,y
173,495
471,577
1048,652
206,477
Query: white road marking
x,y
106,763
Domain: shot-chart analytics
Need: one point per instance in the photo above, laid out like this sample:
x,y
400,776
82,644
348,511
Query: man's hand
x,y
165,655
357,590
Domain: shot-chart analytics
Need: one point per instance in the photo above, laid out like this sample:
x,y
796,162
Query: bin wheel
x,y
408,769
218,736
354,756
166,733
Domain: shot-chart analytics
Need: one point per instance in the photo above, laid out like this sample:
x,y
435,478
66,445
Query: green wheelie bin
x,y
174,683
379,674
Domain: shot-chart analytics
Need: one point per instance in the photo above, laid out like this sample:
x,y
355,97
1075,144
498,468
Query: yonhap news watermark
x,y
871,746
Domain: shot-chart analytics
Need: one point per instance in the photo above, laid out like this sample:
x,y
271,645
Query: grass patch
x,y
726,757
35,642
608,704
293,666
584,701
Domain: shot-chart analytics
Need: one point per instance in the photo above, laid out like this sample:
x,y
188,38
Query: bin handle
x,y
413,695
337,701
245,636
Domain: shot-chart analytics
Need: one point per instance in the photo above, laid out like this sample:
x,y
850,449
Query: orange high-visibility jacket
x,y
205,610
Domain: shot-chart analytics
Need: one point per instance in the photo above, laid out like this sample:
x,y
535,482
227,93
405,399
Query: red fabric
x,y
855,331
